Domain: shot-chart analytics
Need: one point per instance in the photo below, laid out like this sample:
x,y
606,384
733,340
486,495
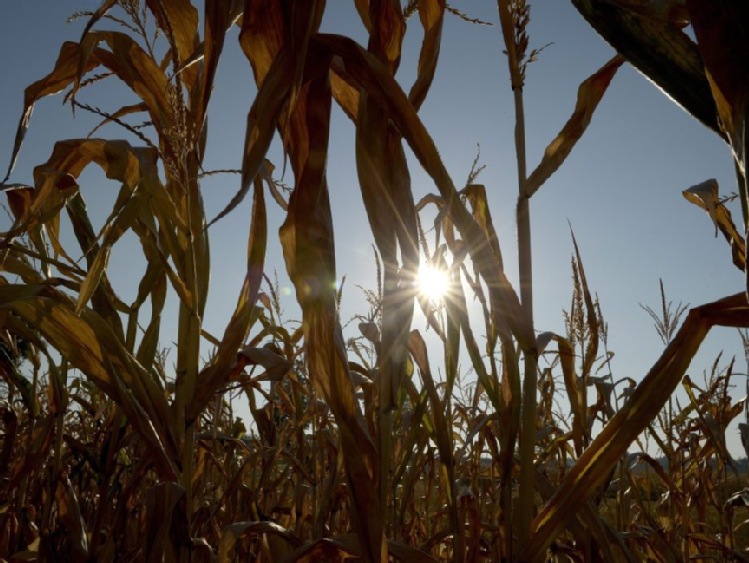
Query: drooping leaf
x,y
309,252
62,75
705,196
431,15
367,73
127,59
386,191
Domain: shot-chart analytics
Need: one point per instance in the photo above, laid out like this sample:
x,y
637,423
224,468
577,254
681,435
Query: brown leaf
x,y
233,532
661,51
69,513
90,345
597,461
178,19
127,59
368,74
262,36
386,31
309,252
214,376
64,73
722,31
19,200
386,192
705,196
166,517
589,94
218,16
431,15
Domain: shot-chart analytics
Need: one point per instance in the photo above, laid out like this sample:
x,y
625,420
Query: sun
x,y
433,283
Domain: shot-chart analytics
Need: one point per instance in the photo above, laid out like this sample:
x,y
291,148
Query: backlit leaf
x,y
589,94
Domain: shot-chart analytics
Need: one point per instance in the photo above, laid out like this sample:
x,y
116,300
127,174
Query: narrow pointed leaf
x,y
589,94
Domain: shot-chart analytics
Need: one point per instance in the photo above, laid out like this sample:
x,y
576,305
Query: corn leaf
x,y
705,196
370,75
589,94
596,462
431,16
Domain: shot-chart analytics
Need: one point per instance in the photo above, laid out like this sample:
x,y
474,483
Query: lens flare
x,y
433,283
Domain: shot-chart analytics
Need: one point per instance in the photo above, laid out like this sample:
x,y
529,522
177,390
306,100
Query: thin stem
x,y
530,361
515,38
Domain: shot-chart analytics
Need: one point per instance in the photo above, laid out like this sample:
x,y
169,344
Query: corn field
x,y
355,448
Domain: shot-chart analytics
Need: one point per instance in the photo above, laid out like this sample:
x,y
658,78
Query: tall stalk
x,y
513,15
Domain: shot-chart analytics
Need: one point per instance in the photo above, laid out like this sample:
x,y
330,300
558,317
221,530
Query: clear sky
x,y
620,189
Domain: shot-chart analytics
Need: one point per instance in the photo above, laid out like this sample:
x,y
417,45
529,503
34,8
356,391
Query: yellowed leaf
x,y
589,94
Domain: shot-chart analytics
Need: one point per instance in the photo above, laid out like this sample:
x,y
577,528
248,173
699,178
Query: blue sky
x,y
620,189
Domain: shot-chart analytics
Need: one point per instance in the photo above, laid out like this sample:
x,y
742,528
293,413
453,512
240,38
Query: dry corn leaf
x,y
308,245
589,94
386,192
71,518
218,15
137,70
344,94
386,30
722,31
233,532
89,344
166,517
673,12
20,198
63,74
368,74
307,232
431,16
178,19
475,194
214,376
596,462
661,51
705,196
40,208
